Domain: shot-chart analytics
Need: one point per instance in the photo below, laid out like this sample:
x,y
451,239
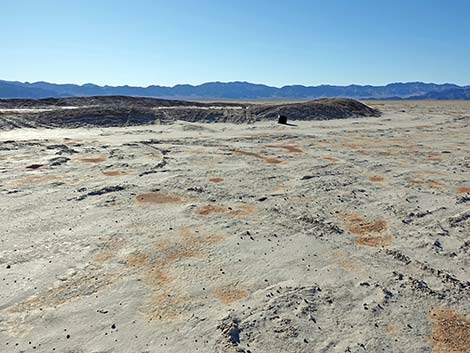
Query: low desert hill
x,y
115,111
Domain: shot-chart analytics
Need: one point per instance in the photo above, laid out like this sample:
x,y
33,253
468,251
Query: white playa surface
x,y
331,236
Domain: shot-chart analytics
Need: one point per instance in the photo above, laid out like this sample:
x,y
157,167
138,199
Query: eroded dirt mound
x,y
115,111
321,109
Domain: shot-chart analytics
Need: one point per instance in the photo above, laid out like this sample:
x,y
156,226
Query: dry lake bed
x,y
327,236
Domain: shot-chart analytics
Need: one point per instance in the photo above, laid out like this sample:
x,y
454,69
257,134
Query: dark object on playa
x,y
34,166
282,119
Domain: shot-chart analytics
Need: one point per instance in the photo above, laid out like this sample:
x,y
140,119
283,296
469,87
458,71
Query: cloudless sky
x,y
166,42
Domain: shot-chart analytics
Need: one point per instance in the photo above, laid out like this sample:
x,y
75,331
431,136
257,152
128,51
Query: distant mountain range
x,y
238,90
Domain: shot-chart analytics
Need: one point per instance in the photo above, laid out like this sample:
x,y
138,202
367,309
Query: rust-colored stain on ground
x,y
228,295
92,159
423,126
211,209
376,179
353,145
288,148
430,184
178,252
112,173
426,173
450,331
198,151
137,260
237,211
166,306
364,228
434,157
411,148
71,143
35,179
280,187
159,198
216,180
192,242
330,159
375,242
386,153
73,288
392,329
155,277
346,262
109,250
351,217
463,190
267,160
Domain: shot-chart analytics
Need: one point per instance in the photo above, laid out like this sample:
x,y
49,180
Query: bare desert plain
x,y
348,235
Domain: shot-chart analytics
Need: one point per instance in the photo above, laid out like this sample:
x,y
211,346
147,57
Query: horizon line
x,y
231,82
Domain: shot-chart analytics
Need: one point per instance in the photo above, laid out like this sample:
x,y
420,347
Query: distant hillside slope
x,y
450,94
229,90
14,90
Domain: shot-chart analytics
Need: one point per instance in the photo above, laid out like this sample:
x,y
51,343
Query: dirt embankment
x,y
131,111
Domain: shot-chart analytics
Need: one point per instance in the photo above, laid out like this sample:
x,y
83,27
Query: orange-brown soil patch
x,y
71,289
70,142
166,303
159,198
35,179
423,126
375,241
280,187
92,159
237,211
112,173
450,331
411,148
386,153
433,158
426,173
353,145
346,262
166,306
198,151
137,260
463,190
268,160
392,329
288,148
361,228
330,159
109,250
216,180
351,217
155,277
430,184
376,179
228,295
326,143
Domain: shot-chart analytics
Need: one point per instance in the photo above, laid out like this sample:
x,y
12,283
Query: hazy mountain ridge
x,y
238,90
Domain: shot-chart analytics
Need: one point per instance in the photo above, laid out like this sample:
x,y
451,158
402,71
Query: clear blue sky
x,y
143,42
